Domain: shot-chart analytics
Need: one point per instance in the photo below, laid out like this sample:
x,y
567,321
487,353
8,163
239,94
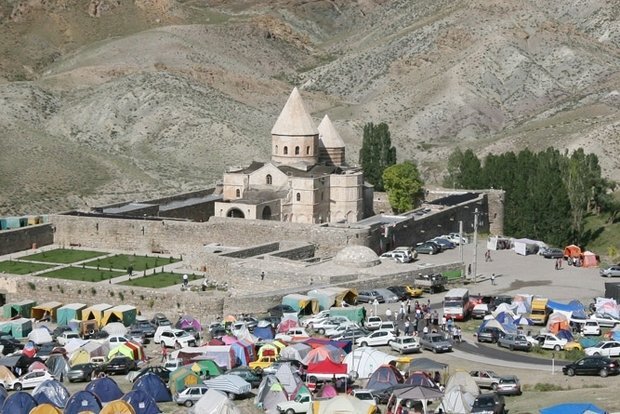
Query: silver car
x,y
613,271
190,395
435,342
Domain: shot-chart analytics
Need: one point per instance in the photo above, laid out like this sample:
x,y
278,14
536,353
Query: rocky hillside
x,y
127,99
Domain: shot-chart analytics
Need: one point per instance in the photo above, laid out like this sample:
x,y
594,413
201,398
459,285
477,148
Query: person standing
x,y
407,326
401,311
375,305
164,352
388,314
493,279
262,276
408,306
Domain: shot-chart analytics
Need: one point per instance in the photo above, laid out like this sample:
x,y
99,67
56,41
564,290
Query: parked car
x,y
29,380
116,340
439,246
119,365
137,335
488,334
247,374
9,346
444,243
190,395
414,292
262,363
427,248
400,292
351,334
490,403
387,326
280,310
592,365
550,341
66,337
309,320
145,326
377,338
59,330
551,253
159,319
462,239
43,350
435,342
509,385
82,372
328,323
173,338
373,323
388,295
604,348
405,344
366,396
591,327
398,257
485,379
515,342
480,311
368,296
158,370
340,329
606,320
612,271
295,332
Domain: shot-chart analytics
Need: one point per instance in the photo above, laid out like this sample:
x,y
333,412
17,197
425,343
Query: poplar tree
x,y
377,153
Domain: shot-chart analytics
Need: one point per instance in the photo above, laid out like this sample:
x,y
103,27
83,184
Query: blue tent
x,y
141,402
153,386
385,376
573,408
106,389
19,403
565,334
615,335
3,394
240,355
574,308
83,401
264,332
51,392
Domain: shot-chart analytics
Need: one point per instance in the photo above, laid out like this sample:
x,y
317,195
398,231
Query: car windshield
x,y
507,381
408,340
436,338
485,402
364,396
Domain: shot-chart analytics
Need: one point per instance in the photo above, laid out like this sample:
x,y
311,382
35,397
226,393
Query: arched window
x,y
238,193
308,150
285,150
298,196
296,150
276,149
268,179
321,196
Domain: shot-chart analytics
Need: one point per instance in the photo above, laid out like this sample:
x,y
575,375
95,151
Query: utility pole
x,y
475,267
461,240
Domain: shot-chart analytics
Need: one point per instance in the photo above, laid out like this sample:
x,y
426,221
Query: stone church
x,y
307,179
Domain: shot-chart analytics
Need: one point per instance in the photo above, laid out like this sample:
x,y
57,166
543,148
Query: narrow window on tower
x,y
296,150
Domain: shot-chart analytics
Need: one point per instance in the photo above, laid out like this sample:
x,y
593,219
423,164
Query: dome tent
x,y
364,361
45,409
214,402
153,386
51,392
19,403
117,407
106,389
83,401
385,376
141,402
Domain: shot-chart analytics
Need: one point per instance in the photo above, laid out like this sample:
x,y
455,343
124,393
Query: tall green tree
x,y
464,170
403,185
377,153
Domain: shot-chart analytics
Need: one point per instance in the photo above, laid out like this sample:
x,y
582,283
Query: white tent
x,y
342,404
288,378
115,329
527,246
40,336
504,307
457,401
366,360
214,402
462,381
296,352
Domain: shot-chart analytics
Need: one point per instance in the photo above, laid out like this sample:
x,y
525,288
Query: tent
x,y
51,392
115,329
327,391
295,352
3,394
57,365
214,402
288,378
574,309
37,365
128,349
457,400
463,381
45,409
223,355
118,407
45,309
264,390
141,402
6,374
589,259
526,246
327,366
329,297
40,336
182,378
557,321
23,309
572,251
353,313
242,353
425,364
19,403
573,408
270,349
153,386
106,389
95,312
206,368
68,312
420,378
416,393
19,328
365,361
83,401
385,376
498,243
188,321
342,404
324,352
229,384
264,332
87,350
125,314
304,305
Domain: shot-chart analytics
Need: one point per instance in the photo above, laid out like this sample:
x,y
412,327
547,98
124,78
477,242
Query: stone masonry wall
x,y
16,240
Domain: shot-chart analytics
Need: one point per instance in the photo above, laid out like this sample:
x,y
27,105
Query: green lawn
x,y
452,274
77,273
22,268
603,238
63,256
139,263
158,280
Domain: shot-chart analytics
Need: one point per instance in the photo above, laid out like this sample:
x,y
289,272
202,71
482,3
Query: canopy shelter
x,y
589,259
117,407
414,393
303,304
526,246
125,314
95,312
68,312
573,408
19,328
48,309
141,402
326,298
23,309
326,366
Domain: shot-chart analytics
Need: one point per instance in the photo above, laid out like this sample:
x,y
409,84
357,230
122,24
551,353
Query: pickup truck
x,y
431,283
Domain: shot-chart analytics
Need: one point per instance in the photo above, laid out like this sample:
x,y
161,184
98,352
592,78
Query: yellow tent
x,y
342,404
48,308
95,312
45,409
117,407
121,350
6,375
80,356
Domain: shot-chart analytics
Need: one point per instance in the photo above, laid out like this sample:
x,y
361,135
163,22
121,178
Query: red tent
x,y
327,366
572,251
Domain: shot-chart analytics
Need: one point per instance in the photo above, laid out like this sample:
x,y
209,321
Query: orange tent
x,y
589,259
572,251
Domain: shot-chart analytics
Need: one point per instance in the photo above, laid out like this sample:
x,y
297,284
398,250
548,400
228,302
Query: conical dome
x,y
294,120
328,136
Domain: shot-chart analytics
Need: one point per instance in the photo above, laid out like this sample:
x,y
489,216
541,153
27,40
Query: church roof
x,y
314,171
328,136
294,120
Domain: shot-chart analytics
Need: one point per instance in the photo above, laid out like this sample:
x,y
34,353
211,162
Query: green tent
x,y
23,308
182,378
354,313
68,312
125,314
19,328
206,368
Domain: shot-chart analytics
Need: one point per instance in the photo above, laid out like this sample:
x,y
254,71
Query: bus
x,y
456,304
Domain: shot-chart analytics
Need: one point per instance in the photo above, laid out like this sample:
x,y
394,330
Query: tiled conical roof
x,y
328,136
294,120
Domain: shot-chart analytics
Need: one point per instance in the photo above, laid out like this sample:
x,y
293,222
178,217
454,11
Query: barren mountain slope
x,y
164,104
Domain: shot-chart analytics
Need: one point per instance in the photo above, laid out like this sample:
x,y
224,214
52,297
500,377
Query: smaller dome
x,y
357,256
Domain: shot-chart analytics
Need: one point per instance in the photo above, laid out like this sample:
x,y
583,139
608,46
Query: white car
x,y
606,320
366,396
29,380
550,341
377,338
591,327
173,338
292,333
329,323
373,323
605,348
405,344
311,319
66,337
397,256
116,340
340,329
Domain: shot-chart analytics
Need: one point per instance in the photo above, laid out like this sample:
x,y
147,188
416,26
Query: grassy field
x,y
604,238
158,280
22,268
85,275
63,256
139,263
452,274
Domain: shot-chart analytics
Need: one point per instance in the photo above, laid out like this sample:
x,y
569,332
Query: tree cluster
x,y
377,153
548,193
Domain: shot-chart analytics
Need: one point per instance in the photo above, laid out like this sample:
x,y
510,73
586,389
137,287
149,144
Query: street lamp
x,y
475,267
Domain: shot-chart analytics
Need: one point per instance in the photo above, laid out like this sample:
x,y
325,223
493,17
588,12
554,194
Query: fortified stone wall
x,y
24,238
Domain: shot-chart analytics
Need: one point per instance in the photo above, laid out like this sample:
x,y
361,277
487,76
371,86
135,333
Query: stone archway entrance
x,y
235,213
266,213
